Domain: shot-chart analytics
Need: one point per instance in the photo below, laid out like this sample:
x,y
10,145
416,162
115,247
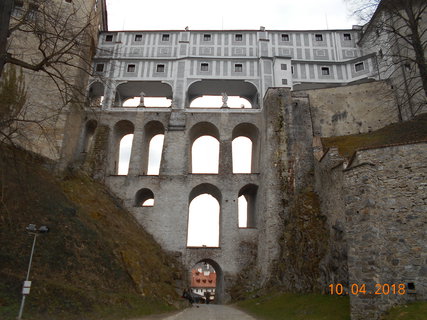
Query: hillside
x,y
95,263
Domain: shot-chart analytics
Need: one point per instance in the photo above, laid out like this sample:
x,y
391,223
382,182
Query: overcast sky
x,y
228,14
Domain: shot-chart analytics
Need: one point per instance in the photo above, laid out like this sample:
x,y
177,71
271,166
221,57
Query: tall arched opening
x,y
204,148
251,132
204,210
122,146
207,276
247,204
152,149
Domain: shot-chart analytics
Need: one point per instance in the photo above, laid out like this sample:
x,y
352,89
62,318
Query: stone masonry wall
x,y
328,185
381,208
352,109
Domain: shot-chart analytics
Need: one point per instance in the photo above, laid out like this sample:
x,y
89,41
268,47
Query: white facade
x,y
183,65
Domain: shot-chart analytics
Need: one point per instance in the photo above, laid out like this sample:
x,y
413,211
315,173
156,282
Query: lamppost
x,y
31,229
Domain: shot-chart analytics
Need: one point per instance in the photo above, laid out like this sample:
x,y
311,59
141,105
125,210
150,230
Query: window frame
x,y
347,36
166,37
207,37
138,37
109,38
131,68
238,67
318,37
238,37
326,71
285,37
97,65
204,66
160,68
359,66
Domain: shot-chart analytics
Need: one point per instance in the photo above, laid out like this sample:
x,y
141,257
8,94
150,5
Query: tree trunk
x,y
418,48
5,12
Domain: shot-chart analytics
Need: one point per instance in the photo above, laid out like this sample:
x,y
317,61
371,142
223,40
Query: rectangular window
x,y
165,37
238,37
99,67
160,68
325,71
285,37
284,66
131,68
319,37
204,67
138,37
238,67
109,37
284,81
292,69
347,36
207,37
359,66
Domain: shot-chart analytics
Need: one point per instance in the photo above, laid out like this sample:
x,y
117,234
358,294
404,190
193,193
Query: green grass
x,y
291,306
412,311
396,133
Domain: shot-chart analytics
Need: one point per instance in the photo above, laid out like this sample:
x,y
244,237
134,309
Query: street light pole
x,y
27,284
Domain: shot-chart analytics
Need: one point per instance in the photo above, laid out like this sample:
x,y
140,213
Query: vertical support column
x,y
225,157
113,153
175,147
135,163
175,156
109,95
179,93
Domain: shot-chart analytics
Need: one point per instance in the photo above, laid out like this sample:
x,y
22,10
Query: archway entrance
x,y
206,282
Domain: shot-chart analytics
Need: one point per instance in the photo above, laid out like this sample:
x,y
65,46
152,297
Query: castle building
x,y
184,65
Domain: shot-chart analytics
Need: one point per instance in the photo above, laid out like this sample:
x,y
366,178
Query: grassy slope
x,y
96,262
403,132
412,311
290,306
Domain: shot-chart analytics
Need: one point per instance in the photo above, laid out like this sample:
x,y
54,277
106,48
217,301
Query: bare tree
x,y
5,11
397,31
53,41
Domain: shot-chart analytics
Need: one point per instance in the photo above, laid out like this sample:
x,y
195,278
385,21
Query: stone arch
x,y
96,94
197,131
251,132
205,188
151,129
209,212
133,89
219,291
216,87
141,196
121,129
249,192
